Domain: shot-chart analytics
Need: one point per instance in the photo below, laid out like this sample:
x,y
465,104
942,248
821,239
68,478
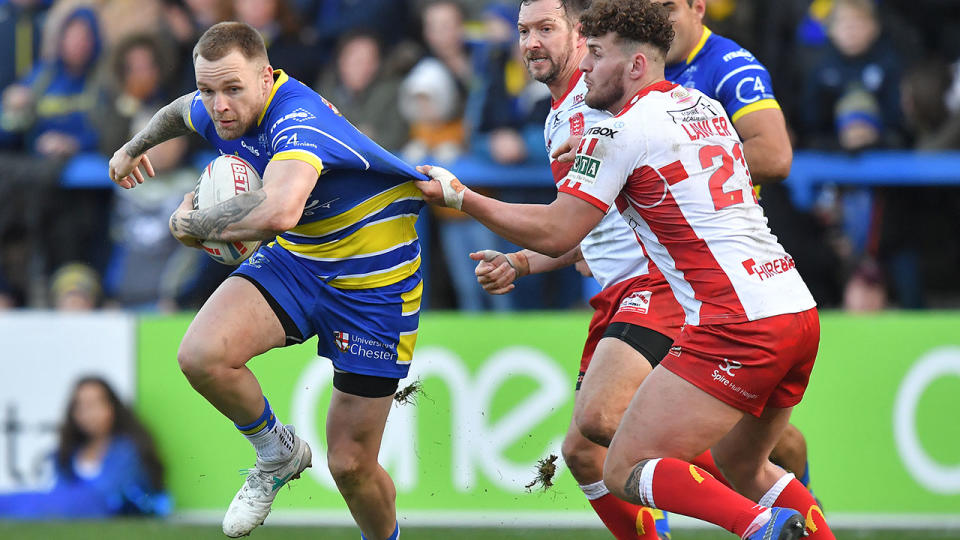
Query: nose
x,y
220,103
585,64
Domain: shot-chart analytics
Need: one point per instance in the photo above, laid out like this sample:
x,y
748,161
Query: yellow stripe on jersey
x,y
281,78
405,347
372,205
377,279
300,155
753,107
189,117
699,45
411,300
373,239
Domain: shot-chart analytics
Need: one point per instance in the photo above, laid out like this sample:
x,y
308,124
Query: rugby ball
x,y
224,178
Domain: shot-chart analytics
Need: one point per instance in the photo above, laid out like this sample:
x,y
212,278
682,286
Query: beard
x,y
553,72
602,97
236,129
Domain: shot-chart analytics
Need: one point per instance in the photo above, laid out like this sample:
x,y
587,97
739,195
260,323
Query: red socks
x,y
790,493
705,462
680,487
624,520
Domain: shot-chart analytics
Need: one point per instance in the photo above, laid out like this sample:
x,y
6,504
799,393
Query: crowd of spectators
x,y
442,80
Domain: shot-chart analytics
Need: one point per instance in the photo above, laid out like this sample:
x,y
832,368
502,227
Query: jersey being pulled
x,y
674,165
357,228
611,249
726,72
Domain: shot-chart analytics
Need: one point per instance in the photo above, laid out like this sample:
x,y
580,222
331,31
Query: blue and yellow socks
x,y
394,536
272,440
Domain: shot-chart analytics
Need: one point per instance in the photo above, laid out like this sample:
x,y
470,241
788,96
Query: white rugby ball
x,y
224,178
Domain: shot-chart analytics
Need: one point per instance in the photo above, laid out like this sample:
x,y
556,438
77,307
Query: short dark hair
x,y
222,38
571,8
639,21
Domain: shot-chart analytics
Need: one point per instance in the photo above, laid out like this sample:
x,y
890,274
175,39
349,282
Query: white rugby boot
x,y
251,504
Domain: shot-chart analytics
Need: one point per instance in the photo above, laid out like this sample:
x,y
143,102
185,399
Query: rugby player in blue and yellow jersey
x,y
730,74
343,263
725,71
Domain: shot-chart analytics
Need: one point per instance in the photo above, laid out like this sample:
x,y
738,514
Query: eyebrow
x,y
549,19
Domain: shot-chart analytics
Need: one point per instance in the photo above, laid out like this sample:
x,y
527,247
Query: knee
x,y
198,361
349,468
597,425
583,458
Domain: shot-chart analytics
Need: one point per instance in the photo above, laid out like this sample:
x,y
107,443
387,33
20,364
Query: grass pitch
x,y
159,530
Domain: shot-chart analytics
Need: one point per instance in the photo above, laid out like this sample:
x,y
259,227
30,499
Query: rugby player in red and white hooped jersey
x,y
674,165
636,316
723,70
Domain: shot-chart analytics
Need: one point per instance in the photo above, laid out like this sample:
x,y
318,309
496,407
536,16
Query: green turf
x,y
154,530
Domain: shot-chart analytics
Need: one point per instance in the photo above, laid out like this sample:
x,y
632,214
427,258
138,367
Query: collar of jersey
x,y
570,86
279,78
659,86
696,50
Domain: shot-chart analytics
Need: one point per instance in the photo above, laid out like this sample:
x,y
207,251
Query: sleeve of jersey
x,y
326,145
598,173
744,86
198,120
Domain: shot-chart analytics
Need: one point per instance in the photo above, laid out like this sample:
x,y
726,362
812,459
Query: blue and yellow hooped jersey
x,y
357,228
726,72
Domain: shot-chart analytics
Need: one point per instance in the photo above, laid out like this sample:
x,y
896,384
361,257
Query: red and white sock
x,y
788,492
683,488
624,520
705,462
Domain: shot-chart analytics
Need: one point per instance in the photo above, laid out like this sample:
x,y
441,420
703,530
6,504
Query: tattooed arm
x,y
256,215
169,122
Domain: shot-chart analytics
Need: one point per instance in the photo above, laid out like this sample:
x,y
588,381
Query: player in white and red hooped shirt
x,y
636,316
674,166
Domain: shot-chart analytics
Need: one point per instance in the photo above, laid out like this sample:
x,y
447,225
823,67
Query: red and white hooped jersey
x,y
611,250
674,166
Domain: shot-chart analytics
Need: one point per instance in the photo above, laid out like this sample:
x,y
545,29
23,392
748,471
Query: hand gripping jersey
x,y
674,165
611,249
357,228
726,72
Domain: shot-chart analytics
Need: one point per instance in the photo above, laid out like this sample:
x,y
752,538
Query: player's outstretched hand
x,y
443,188
567,149
125,170
497,271
175,223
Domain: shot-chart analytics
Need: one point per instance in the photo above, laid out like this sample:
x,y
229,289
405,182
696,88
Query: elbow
x,y
282,220
556,246
781,166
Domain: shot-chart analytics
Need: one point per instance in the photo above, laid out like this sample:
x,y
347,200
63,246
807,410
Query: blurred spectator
x,y
430,103
851,100
140,71
20,31
364,91
50,111
329,20
433,94
106,464
49,106
75,287
278,25
924,94
865,292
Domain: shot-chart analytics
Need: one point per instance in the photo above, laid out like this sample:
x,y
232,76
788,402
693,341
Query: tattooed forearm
x,y
632,487
226,221
167,123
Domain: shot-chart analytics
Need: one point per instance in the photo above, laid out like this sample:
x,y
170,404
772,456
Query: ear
x,y
638,65
699,7
267,75
581,39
